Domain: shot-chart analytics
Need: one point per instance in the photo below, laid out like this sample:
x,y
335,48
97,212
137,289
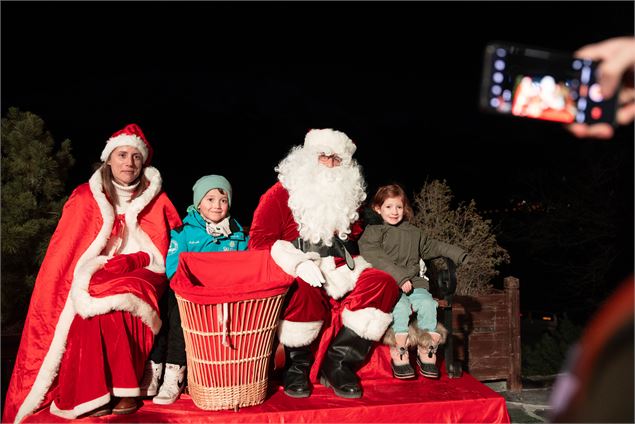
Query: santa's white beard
x,y
324,201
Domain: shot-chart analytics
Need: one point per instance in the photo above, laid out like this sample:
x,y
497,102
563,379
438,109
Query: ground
x,y
531,405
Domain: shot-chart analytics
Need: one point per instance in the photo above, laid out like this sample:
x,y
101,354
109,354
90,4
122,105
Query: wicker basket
x,y
228,350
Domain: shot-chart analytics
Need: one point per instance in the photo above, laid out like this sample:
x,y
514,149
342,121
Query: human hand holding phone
x,y
617,59
543,84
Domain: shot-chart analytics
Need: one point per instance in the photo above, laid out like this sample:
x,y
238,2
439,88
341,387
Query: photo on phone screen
x,y
542,84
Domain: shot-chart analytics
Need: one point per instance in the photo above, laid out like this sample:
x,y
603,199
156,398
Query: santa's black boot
x,y
296,376
344,356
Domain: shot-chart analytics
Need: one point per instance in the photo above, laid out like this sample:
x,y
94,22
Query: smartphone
x,y
542,84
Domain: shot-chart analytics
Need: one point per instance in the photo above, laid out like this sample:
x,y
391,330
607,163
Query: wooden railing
x,y
487,334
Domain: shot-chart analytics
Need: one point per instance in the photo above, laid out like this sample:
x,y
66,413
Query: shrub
x,y
547,355
464,227
33,178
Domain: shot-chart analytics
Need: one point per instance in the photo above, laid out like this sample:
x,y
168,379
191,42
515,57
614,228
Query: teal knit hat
x,y
209,182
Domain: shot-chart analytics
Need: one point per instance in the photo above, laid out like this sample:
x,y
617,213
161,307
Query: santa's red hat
x,y
130,135
330,142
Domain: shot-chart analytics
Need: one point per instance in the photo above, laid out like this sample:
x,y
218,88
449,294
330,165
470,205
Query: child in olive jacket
x,y
392,244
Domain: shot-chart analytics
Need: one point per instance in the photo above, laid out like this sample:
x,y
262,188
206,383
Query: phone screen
x,y
542,84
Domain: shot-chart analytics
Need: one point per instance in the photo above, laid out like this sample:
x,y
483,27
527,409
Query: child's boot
x,y
151,375
399,357
427,344
173,385
427,357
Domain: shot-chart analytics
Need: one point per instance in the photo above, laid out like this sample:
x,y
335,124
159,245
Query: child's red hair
x,y
389,191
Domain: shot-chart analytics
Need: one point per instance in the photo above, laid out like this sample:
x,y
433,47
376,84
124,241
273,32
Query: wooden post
x,y
514,383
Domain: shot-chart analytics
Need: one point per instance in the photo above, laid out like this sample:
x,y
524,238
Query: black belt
x,y
341,248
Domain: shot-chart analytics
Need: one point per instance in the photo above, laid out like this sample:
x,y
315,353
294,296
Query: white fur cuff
x,y
89,306
368,323
341,280
288,257
126,392
297,334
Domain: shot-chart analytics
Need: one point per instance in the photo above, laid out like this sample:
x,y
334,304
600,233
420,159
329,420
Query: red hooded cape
x,y
63,285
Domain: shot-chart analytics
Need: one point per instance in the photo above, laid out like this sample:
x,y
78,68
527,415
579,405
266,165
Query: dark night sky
x,y
229,87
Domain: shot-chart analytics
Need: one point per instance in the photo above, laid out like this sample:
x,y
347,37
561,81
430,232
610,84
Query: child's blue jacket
x,y
192,237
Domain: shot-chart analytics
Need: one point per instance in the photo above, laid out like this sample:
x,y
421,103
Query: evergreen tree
x,y
33,180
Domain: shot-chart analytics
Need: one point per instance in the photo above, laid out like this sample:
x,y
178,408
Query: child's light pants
x,y
421,302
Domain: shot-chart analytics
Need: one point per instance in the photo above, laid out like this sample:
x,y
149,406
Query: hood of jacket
x,y
195,219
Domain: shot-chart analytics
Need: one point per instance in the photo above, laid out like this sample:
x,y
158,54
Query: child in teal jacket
x,y
206,228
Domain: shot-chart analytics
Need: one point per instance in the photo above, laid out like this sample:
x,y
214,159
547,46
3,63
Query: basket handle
x,y
222,310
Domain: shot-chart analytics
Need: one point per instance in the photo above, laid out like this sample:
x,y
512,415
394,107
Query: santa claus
x,y
309,221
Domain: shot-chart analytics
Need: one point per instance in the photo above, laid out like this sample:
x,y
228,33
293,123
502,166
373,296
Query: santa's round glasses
x,y
324,158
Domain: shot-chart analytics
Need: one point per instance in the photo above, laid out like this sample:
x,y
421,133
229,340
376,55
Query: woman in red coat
x,y
93,311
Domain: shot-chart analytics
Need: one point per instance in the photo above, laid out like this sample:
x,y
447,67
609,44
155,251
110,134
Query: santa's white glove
x,y
309,272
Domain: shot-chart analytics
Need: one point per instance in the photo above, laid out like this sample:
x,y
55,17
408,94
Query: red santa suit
x,y
88,331
353,296
370,294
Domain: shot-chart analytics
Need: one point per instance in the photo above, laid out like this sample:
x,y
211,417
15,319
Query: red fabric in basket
x,y
221,277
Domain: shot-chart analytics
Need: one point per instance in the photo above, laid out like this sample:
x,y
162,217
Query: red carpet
x,y
385,400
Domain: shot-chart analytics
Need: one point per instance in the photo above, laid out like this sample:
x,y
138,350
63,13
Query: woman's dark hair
x,y
393,190
109,187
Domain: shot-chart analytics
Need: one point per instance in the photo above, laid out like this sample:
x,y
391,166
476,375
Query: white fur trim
x,y
79,409
126,392
288,257
124,140
91,261
88,306
157,261
50,363
341,280
296,334
80,300
368,323
330,141
68,414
